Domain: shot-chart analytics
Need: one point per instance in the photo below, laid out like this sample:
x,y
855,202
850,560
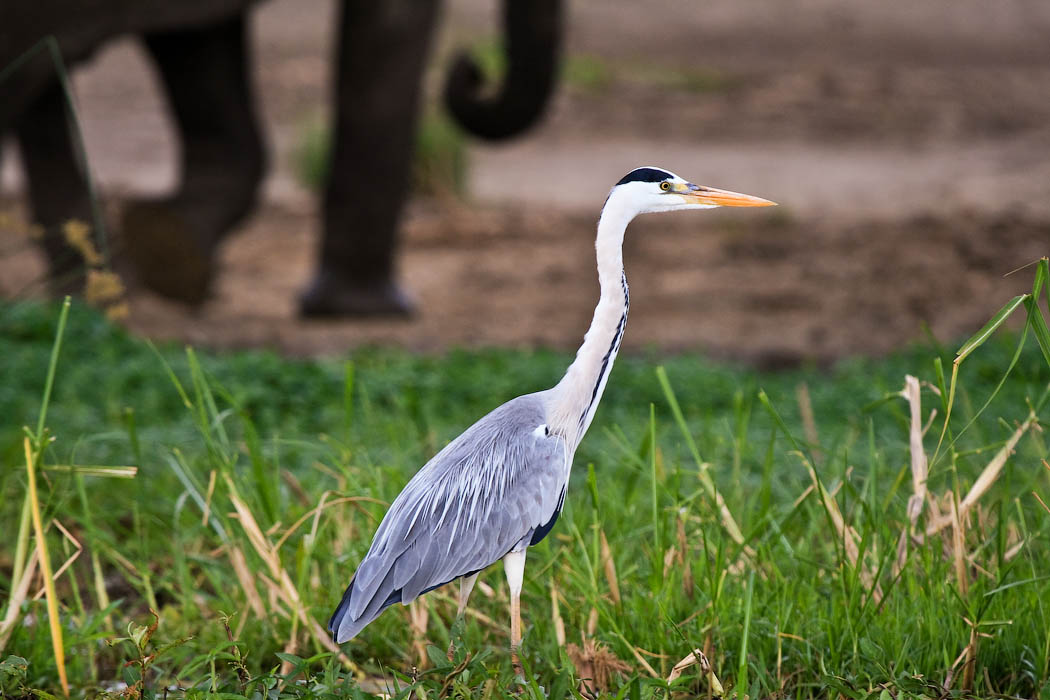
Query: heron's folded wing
x,y
465,509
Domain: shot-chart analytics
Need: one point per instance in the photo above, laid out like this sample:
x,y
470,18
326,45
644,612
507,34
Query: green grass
x,y
788,616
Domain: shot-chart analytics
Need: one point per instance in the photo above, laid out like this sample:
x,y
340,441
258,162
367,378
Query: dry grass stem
x,y
641,659
697,657
919,464
321,506
970,664
282,583
1041,502
687,566
559,623
206,511
45,568
669,556
246,579
73,541
19,593
479,616
986,479
919,469
809,423
849,537
959,551
418,617
610,568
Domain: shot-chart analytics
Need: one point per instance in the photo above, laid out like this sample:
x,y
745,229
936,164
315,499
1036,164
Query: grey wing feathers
x,y
483,495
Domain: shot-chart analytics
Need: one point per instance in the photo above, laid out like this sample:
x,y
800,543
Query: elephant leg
x,y
57,190
382,47
172,241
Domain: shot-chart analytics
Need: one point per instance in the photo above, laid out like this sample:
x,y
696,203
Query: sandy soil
x,y
907,145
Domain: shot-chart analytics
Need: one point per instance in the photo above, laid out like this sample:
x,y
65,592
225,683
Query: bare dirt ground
x,y
908,145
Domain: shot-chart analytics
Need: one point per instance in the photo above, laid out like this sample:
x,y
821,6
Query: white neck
x,y
576,396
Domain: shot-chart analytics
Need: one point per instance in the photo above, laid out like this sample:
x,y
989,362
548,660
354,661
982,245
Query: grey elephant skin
x,y
202,56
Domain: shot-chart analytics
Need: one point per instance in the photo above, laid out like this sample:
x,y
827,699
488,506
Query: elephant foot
x,y
330,296
169,256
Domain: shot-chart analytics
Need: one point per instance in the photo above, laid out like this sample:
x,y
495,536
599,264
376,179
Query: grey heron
x,y
498,488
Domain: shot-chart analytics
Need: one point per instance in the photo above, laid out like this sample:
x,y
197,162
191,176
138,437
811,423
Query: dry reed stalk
x,y
697,657
729,523
1016,549
986,479
610,568
296,487
919,463
919,469
641,659
291,646
282,583
959,551
684,559
19,592
780,663
1041,502
479,616
559,623
78,549
322,505
418,617
206,511
245,578
970,664
850,538
45,568
669,556
809,423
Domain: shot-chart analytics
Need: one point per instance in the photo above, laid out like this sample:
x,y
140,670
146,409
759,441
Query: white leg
x,y
466,585
514,566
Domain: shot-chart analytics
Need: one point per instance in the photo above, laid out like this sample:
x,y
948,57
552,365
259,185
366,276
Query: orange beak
x,y
721,198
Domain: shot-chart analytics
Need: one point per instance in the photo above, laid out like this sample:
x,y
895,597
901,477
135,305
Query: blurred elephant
x,y
201,51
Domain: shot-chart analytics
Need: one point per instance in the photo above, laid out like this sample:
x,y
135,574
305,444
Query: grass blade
x,y
741,674
1042,333
978,338
45,569
22,542
728,521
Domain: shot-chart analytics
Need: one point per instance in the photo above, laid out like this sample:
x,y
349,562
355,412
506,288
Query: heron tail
x,y
344,626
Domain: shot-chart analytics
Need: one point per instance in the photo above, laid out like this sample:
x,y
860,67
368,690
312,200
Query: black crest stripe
x,y
645,175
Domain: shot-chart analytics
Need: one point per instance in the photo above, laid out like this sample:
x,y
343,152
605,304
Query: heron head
x,y
650,189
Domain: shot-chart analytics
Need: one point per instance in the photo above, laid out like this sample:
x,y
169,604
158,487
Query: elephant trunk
x,y
533,36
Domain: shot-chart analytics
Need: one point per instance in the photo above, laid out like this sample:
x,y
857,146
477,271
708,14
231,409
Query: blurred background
x,y
907,145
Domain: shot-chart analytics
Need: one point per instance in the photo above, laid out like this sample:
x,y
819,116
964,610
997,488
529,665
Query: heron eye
x,y
665,186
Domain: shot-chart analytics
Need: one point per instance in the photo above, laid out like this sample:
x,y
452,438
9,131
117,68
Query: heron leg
x,y
514,566
466,585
